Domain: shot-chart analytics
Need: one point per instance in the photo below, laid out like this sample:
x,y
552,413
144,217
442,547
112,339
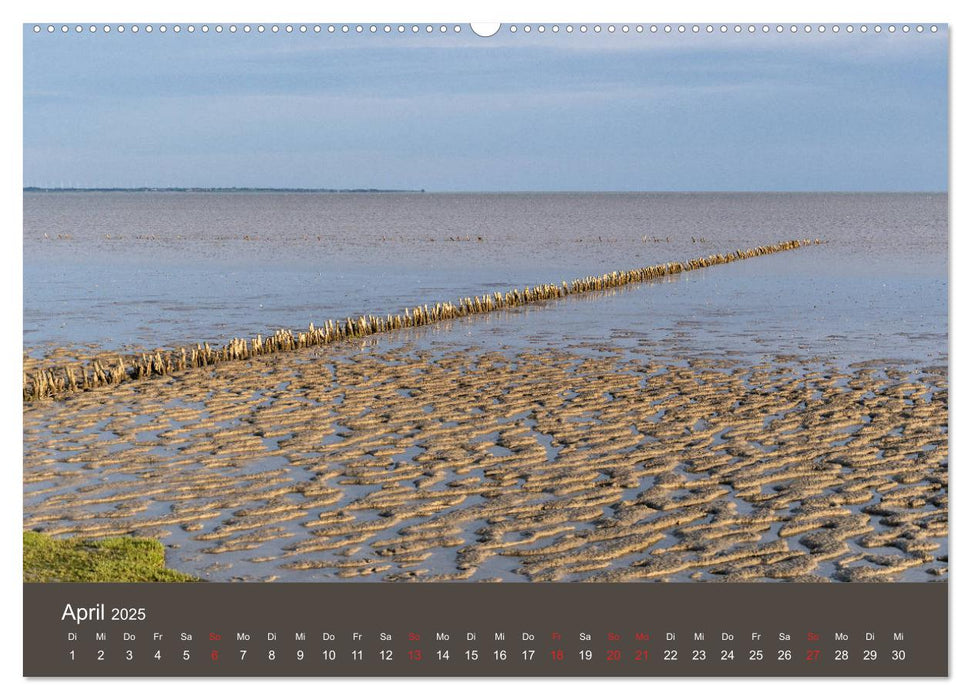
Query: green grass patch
x,y
110,560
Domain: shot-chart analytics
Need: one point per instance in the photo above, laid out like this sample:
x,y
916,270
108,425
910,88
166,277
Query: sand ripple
x,y
550,466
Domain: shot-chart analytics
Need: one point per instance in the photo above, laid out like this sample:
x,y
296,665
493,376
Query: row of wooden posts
x,y
55,381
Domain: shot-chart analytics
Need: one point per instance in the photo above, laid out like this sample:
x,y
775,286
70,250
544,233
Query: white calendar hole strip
x,y
488,29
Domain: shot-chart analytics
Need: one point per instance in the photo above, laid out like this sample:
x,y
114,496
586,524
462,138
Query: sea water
x,y
120,270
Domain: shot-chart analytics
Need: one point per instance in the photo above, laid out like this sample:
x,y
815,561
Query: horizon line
x,y
378,190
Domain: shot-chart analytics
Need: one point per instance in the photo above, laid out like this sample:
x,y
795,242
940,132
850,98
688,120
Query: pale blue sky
x,y
512,112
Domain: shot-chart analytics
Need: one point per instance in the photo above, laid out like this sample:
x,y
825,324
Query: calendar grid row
x,y
454,630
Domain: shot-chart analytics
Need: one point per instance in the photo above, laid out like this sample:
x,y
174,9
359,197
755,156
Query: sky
x,y
513,112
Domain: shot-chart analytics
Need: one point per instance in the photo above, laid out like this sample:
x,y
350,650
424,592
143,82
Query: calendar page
x,y
537,349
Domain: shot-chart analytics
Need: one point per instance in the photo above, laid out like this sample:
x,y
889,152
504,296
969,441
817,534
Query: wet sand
x,y
468,464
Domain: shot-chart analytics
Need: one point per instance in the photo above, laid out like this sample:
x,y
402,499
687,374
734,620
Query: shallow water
x,y
161,269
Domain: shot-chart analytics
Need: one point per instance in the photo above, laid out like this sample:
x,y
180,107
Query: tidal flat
x,y
574,464
781,418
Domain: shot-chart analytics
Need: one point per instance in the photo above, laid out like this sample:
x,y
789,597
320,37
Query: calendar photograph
x,y
535,303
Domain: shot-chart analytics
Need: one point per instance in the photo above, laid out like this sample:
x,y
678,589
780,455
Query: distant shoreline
x,y
364,190
216,189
